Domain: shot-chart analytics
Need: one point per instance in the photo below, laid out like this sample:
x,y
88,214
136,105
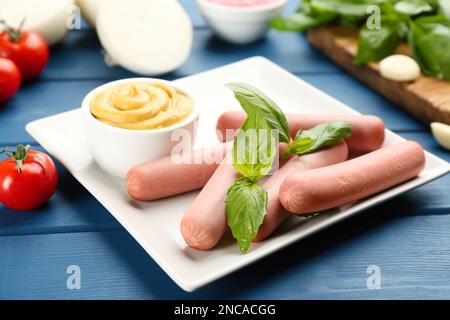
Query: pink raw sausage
x,y
275,212
165,177
367,131
346,182
204,224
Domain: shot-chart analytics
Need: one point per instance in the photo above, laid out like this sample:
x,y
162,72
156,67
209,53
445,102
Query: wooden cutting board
x,y
428,99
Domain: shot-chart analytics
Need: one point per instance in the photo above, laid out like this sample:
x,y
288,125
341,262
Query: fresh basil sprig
x,y
317,138
430,43
254,150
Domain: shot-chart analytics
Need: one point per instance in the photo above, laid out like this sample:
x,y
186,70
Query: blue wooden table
x,y
407,238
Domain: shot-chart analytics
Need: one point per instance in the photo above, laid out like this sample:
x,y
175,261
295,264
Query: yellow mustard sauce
x,y
141,106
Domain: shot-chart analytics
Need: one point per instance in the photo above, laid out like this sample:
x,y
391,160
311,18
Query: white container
x,y
117,150
240,25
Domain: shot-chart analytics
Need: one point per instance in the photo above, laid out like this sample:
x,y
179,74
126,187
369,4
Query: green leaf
x,y
413,7
356,8
429,40
245,206
375,44
319,137
301,21
260,107
254,150
350,21
315,13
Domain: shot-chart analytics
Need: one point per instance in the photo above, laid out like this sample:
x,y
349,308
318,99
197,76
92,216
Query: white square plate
x,y
155,225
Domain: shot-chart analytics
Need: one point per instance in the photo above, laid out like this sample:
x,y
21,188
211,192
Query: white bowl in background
x,y
240,25
117,150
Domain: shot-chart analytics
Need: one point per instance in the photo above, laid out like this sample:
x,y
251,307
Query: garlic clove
x,y
441,133
399,67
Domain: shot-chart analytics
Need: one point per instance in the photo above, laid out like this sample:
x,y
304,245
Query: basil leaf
x,y
257,105
375,44
413,7
254,150
350,21
301,21
356,8
319,137
429,40
245,208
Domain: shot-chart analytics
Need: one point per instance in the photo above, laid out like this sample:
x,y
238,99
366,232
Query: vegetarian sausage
x,y
367,131
166,177
205,222
346,182
276,214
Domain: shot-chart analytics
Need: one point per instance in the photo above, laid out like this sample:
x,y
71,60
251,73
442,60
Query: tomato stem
x,y
14,34
19,155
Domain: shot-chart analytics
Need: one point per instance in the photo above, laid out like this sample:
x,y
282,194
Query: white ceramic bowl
x,y
117,150
240,25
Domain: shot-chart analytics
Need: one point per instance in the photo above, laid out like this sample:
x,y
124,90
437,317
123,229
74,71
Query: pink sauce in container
x,y
243,3
240,21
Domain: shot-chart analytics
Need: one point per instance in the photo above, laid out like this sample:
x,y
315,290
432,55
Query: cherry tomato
x,y
28,50
9,79
28,178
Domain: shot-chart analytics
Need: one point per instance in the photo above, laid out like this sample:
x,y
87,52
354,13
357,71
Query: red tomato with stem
x,y
28,178
28,50
9,79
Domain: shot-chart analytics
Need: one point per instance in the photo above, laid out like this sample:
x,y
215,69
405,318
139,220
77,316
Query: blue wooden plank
x,y
36,100
193,12
80,56
412,253
73,209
